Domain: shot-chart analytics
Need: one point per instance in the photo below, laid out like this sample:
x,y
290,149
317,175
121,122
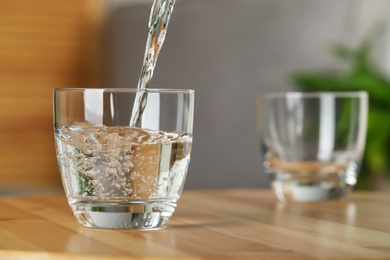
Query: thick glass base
x,y
123,215
311,180
315,191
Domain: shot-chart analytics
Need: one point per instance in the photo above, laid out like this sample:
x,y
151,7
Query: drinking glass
x,y
116,175
312,143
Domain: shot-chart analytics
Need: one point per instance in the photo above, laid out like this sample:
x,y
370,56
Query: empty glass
x,y
116,175
312,143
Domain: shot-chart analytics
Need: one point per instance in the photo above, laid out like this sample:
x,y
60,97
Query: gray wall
x,y
229,51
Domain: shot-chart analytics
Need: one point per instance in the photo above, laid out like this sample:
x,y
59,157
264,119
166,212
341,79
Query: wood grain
x,y
43,45
225,224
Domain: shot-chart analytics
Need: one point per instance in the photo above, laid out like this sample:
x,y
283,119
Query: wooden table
x,y
225,224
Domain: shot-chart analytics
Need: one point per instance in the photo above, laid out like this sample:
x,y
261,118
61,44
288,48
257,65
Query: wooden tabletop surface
x,y
224,224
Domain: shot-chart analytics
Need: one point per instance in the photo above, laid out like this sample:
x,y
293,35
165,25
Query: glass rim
x,y
126,90
297,94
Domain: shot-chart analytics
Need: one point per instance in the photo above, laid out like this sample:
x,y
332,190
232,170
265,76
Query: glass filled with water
x,y
116,175
312,143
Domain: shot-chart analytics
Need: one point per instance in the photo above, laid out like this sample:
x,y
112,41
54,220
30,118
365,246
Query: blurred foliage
x,y
361,74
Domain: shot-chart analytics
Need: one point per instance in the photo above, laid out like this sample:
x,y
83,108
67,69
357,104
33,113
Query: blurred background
x,y
229,51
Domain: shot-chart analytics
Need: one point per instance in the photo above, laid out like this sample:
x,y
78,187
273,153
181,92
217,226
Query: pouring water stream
x,y
158,23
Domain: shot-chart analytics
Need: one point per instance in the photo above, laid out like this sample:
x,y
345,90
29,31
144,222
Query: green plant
x,y
361,74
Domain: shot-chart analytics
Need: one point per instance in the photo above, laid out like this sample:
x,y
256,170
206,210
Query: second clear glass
x,y
312,142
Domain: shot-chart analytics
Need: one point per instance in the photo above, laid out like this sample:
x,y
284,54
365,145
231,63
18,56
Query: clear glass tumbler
x,y
312,143
116,175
